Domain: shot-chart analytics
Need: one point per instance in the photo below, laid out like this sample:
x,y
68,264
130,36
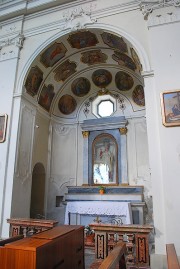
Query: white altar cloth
x,y
100,208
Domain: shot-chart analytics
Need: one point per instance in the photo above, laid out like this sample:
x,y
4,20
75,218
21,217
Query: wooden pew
x,y
10,239
116,258
172,258
61,247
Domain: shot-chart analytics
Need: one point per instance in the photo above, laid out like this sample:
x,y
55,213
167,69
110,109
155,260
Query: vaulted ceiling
x,y
80,65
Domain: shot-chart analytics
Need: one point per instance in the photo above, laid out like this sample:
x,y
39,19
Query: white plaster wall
x,y
63,166
10,106
138,154
165,43
41,136
23,170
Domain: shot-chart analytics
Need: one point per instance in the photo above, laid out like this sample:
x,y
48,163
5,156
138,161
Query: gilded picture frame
x,y
3,126
170,105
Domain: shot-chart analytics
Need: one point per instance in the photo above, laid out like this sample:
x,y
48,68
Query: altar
x,y
124,204
107,211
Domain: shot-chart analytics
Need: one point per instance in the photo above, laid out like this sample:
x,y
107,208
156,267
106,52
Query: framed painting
x,y
3,125
104,160
170,103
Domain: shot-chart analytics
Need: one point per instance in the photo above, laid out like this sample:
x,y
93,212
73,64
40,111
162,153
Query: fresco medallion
x,y
124,81
83,39
46,96
114,41
93,57
80,86
67,104
33,80
65,70
138,95
53,54
136,59
101,78
124,60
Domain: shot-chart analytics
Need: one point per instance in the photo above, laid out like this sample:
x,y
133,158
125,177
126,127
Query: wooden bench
x,y
10,239
116,258
172,258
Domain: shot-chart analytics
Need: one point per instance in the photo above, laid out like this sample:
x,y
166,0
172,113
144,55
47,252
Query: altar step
x,y
112,193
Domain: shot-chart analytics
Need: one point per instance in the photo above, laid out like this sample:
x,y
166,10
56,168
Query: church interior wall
x,y
166,64
41,136
23,170
7,105
63,166
158,51
138,156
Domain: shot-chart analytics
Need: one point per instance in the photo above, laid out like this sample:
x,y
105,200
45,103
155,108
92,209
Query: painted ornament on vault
x,y
81,40
93,57
67,104
138,95
136,59
114,41
65,70
80,86
101,78
53,54
124,81
33,81
124,60
46,96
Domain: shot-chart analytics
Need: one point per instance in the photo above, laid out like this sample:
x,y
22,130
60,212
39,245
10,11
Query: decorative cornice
x,y
93,9
78,17
17,41
163,18
147,7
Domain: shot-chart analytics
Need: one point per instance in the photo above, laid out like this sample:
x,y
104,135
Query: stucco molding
x,y
16,41
147,7
9,48
78,17
25,144
61,129
163,18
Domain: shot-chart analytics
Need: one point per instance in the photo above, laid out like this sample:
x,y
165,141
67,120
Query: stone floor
x,y
89,257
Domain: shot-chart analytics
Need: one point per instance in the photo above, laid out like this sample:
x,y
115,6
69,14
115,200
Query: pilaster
x,y
85,156
123,132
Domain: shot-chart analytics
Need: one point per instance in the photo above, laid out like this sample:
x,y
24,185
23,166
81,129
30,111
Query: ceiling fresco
x,y
81,64
80,86
101,78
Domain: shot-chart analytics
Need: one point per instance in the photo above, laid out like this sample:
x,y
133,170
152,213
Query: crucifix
x,y
97,219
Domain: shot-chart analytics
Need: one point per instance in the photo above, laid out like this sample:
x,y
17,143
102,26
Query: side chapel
x,y
90,97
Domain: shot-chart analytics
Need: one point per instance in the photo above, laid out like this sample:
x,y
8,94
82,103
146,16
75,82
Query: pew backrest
x,y
172,259
115,257
10,239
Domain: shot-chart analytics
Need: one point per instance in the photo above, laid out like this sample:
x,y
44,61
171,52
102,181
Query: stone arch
x,y
37,191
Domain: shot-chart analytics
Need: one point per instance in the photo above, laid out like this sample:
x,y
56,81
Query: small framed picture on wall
x,y
170,104
3,126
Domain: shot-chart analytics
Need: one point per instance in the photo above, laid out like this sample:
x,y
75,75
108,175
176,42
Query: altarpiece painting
x,y
104,160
